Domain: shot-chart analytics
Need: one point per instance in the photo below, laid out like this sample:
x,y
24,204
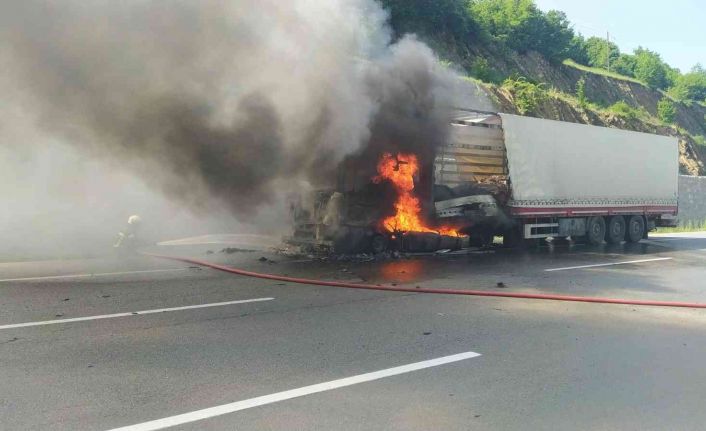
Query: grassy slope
x,y
688,227
599,71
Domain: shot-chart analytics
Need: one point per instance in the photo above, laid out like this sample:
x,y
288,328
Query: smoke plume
x,y
221,103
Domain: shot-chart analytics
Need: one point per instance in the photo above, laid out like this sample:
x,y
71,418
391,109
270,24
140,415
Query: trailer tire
x,y
635,229
615,230
596,230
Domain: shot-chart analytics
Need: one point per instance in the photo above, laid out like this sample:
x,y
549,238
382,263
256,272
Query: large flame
x,y
400,171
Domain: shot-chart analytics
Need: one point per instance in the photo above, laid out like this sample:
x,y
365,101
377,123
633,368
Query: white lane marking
x,y
293,393
100,274
132,313
609,264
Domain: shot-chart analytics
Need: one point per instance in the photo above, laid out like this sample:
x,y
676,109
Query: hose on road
x,y
545,297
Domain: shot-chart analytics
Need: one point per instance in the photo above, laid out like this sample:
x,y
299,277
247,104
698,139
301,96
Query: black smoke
x,y
224,103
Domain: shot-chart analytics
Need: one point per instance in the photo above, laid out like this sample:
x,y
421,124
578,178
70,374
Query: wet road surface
x,y
161,344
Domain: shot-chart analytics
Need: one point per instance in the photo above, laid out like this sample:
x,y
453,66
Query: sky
x,y
675,29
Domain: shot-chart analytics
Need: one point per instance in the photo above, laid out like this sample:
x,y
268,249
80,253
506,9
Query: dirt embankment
x,y
603,91
690,159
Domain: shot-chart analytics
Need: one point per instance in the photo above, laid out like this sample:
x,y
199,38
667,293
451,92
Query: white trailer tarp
x,y
553,163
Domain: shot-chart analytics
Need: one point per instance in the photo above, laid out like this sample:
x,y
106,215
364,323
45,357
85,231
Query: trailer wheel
x,y
596,230
615,231
636,229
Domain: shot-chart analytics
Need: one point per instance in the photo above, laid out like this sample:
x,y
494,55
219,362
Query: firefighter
x,y
128,237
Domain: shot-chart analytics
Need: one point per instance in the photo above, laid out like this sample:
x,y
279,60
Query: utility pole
x,y
609,50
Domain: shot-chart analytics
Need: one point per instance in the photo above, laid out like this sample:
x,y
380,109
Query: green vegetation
x,y
686,227
522,26
600,53
666,110
599,71
644,65
528,95
700,140
624,110
690,86
650,69
581,93
625,65
447,19
504,26
481,69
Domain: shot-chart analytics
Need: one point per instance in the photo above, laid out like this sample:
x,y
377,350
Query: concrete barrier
x,y
692,200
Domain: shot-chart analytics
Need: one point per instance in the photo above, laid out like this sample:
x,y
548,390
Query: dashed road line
x,y
659,259
87,275
293,393
132,313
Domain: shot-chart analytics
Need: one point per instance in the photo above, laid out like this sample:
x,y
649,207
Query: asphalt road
x,y
542,365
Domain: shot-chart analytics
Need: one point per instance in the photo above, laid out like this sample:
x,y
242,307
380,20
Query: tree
x,y
431,18
650,68
625,64
577,50
690,86
673,75
556,35
507,21
600,51
522,26
666,110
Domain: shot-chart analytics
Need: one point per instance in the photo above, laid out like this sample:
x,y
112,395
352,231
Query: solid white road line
x,y
294,393
100,274
609,264
133,313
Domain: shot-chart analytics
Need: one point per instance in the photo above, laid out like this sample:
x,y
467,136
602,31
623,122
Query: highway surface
x,y
140,343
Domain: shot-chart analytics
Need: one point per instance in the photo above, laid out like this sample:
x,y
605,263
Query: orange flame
x,y
400,171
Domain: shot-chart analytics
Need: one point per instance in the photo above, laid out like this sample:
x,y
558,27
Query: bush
x,y
622,109
666,111
581,93
528,95
481,69
700,140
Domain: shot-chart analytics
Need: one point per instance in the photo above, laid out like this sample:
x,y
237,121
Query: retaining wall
x,y
692,199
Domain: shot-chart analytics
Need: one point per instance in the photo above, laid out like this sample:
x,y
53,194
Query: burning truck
x,y
520,178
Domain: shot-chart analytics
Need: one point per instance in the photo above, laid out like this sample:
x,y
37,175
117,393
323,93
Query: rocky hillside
x,y
555,98
600,89
531,61
557,108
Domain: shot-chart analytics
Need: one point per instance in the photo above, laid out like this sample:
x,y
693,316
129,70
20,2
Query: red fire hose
x,y
429,290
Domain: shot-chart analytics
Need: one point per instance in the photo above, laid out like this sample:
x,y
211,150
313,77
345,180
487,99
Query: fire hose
x,y
545,297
